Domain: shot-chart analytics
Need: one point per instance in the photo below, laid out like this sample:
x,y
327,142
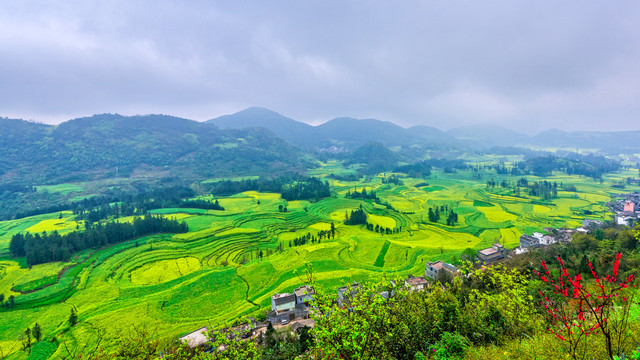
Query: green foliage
x,y
356,217
73,318
37,332
55,247
36,284
376,157
354,331
451,346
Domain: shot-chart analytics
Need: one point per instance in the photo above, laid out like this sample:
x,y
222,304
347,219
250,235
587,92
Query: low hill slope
x,y
295,132
94,147
374,157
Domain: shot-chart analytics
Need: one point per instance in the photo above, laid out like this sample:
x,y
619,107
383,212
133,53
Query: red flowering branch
x,y
603,310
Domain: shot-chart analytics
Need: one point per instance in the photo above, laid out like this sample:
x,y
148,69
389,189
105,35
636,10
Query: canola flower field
x,y
214,274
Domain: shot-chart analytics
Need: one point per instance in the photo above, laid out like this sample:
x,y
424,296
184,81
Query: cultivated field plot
x,y
231,262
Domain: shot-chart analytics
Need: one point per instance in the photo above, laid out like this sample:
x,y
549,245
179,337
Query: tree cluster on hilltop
x,y
47,247
297,188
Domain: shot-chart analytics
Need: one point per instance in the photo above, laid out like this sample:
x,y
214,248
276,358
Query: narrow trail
x,y
246,294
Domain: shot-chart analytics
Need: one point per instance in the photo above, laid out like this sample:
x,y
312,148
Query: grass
x,y
380,259
64,189
213,274
36,284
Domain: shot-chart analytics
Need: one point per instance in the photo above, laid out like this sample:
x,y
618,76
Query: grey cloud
x,y
521,64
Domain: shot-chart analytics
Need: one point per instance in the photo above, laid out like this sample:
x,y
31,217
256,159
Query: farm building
x,y
495,252
304,294
433,269
283,302
527,241
343,299
416,283
285,308
587,223
196,338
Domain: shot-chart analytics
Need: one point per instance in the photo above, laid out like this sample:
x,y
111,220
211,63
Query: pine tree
x,y
37,332
73,318
27,341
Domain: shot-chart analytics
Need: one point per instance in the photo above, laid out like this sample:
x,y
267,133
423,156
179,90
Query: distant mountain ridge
x,y
94,146
252,141
343,132
352,133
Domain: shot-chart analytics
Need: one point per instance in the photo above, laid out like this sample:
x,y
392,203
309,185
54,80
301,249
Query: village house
x,y
346,292
587,223
287,307
283,302
304,294
493,253
629,207
527,241
627,210
433,269
416,283
196,338
282,308
548,240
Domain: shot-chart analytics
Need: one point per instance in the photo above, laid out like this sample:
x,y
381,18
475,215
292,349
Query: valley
x,y
230,262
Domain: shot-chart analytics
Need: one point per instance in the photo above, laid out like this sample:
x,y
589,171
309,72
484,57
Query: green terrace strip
x,y
35,285
380,259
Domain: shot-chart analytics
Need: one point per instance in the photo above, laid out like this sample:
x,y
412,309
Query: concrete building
x,y
416,283
283,302
346,292
527,241
493,253
629,206
196,338
433,269
284,308
304,294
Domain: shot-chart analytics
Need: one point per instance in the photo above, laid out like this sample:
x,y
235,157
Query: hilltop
x,y
93,147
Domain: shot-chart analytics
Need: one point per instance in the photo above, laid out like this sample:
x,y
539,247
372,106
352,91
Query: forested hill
x,y
94,147
345,132
348,134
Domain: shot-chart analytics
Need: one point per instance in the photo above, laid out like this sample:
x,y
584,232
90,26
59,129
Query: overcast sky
x,y
527,65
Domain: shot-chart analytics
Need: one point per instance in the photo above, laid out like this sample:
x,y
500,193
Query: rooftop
x,y
489,251
278,296
415,281
283,298
195,338
304,290
436,265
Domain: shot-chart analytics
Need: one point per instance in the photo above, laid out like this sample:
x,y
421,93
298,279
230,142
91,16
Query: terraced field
x,y
231,262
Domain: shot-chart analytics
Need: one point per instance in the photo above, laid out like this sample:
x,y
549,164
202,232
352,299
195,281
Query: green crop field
x,y
215,274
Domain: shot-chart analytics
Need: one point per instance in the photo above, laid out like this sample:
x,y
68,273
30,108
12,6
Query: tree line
x,y
202,204
359,217
134,202
434,216
300,188
43,248
364,194
308,238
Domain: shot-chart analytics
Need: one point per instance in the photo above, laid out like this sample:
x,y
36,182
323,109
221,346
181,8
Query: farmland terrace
x,y
230,262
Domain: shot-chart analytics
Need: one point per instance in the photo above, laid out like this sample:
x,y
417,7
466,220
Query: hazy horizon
x,y
528,133
524,66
